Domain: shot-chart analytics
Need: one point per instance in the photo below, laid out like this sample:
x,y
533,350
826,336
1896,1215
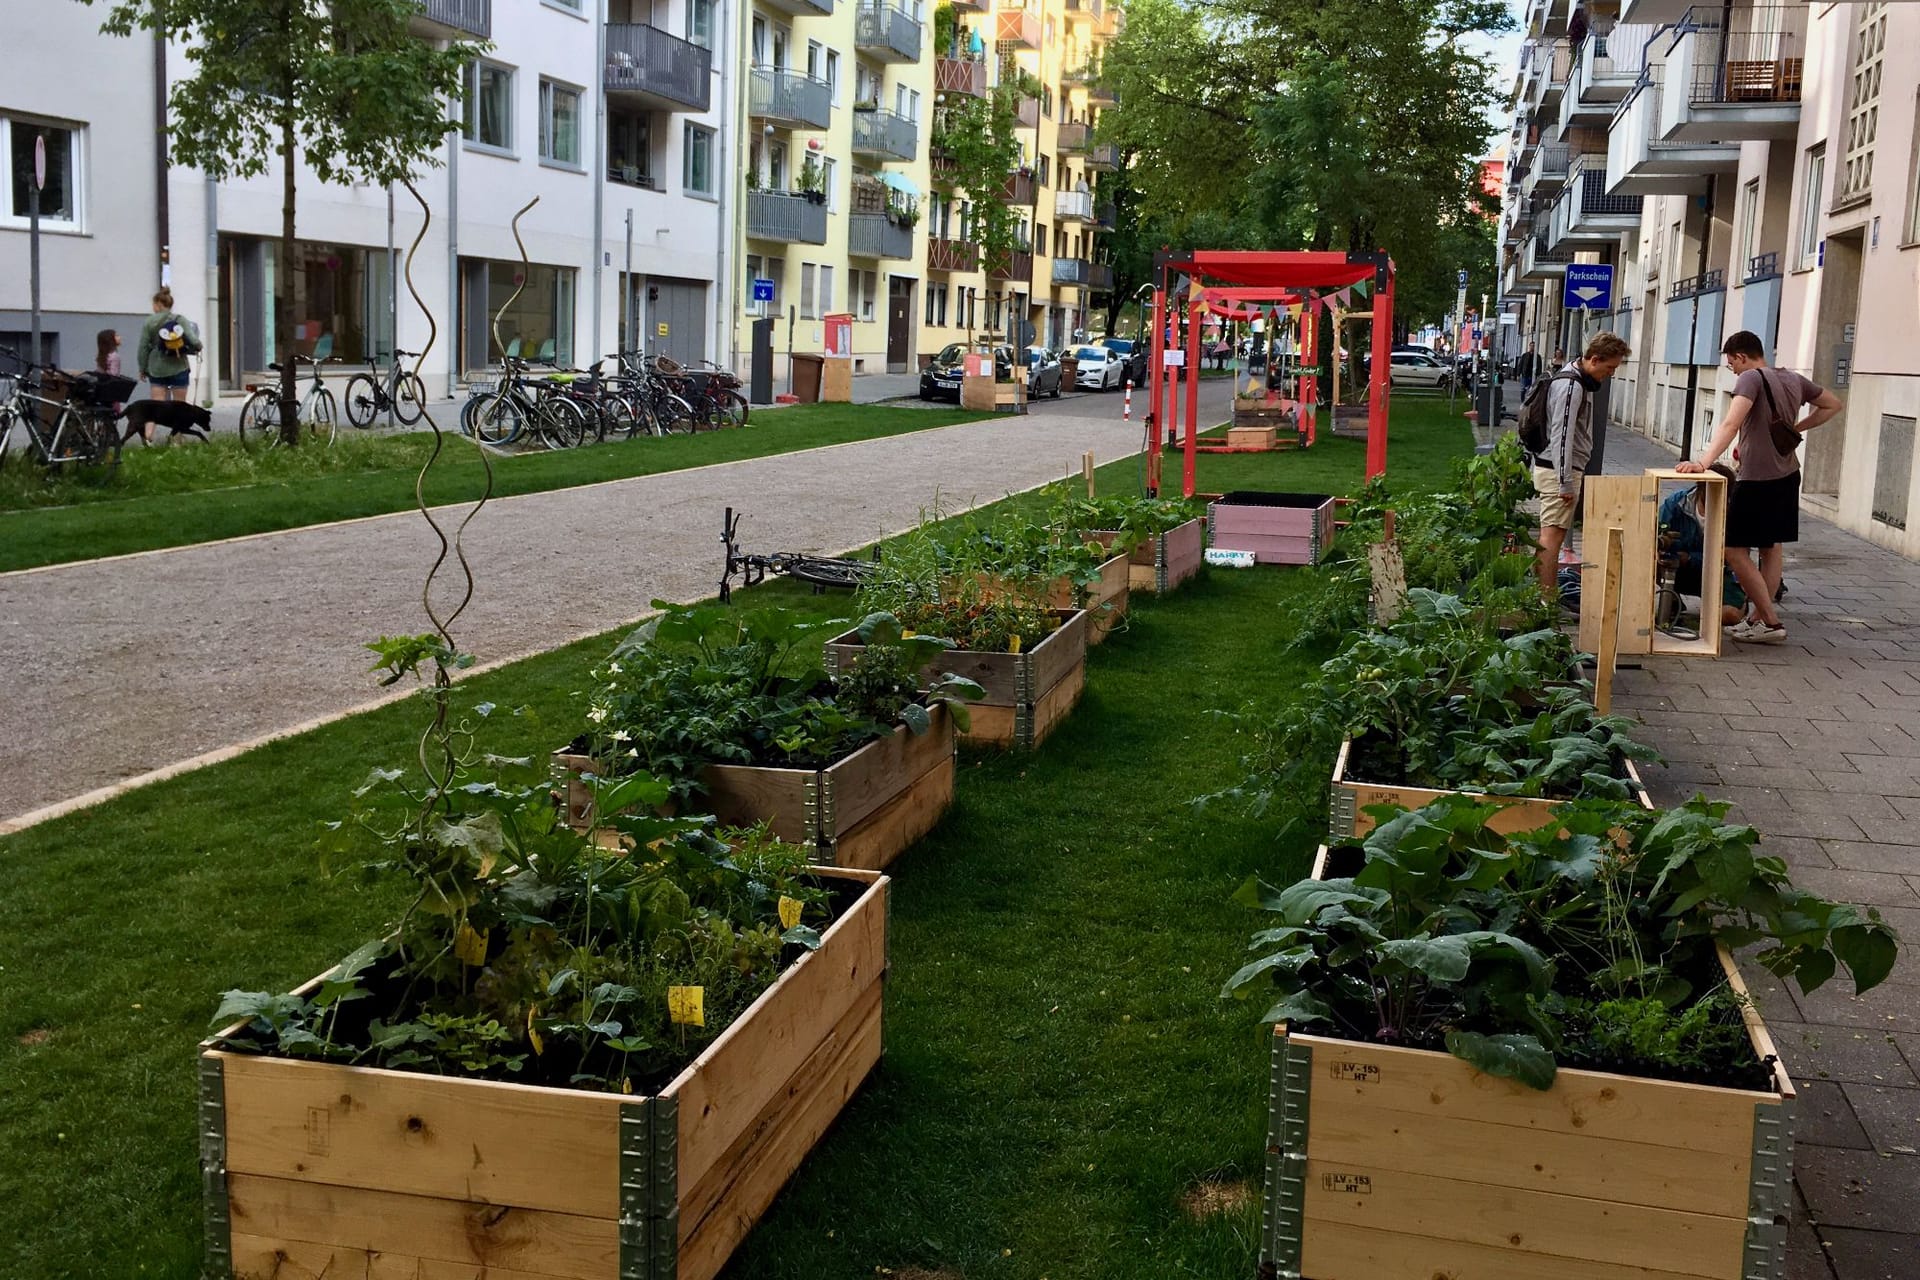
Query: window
x,y
826,290
900,99
833,76
941,315
777,167
759,42
1863,102
827,168
913,105
931,291
559,123
488,108
630,150
60,198
1816,170
813,59
699,161
869,286
1912,232
1749,218
700,23
807,310
1045,174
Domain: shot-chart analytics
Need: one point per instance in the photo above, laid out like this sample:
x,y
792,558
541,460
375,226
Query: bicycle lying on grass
x,y
819,572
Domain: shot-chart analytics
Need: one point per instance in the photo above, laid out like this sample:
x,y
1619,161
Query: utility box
x,y
760,372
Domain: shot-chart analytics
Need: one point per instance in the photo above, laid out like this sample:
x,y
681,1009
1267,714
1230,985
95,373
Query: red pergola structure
x,y
1244,277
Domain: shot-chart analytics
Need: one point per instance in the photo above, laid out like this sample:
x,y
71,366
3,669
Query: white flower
x,y
614,668
597,714
621,735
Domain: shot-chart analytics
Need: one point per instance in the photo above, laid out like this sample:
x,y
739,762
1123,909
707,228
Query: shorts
x,y
1764,513
180,379
1556,512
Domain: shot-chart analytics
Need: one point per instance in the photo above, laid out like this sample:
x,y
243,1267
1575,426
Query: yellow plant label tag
x,y
533,1032
687,1006
1013,645
908,634
789,911
469,945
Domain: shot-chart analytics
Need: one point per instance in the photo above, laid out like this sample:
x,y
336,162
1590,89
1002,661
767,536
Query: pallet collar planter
x,y
1387,1163
1107,599
314,1169
863,810
1349,798
1279,528
1027,694
1164,561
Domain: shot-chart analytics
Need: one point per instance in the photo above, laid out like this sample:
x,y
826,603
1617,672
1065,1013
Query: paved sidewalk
x,y
121,667
1817,743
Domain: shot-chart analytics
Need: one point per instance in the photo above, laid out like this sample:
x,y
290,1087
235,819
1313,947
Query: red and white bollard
x,y
1126,405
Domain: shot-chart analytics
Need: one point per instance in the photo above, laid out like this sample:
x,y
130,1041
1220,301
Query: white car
x,y
1414,369
1099,369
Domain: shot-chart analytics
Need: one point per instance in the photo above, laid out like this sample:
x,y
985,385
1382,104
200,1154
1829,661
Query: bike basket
x,y
481,389
102,390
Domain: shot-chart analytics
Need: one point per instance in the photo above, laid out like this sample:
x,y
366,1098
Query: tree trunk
x,y
283,285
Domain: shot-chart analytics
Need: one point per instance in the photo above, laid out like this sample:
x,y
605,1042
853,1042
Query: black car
x,y
941,378
1132,354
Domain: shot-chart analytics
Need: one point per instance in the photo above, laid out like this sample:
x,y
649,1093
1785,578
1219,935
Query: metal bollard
x,y
1126,405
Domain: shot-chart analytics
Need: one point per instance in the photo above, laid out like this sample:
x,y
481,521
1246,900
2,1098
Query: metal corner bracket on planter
x,y
1164,561
1349,799
310,1168
1391,1163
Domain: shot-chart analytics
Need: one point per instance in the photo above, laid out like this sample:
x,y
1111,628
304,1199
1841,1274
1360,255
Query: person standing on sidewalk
x,y
166,340
1527,368
1764,509
1558,471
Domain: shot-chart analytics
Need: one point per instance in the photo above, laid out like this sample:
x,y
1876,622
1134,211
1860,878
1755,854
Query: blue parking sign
x,y
762,290
1588,287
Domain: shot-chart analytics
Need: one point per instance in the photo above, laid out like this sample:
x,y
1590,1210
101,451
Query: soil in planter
x,y
1263,498
1376,762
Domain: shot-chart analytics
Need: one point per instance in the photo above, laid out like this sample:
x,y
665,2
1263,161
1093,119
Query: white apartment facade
x,y
1755,166
614,114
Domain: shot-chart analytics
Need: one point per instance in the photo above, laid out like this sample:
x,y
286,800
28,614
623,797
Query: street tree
x,y
341,86
976,145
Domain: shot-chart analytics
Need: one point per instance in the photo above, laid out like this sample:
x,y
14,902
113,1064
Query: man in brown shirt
x,y
1764,509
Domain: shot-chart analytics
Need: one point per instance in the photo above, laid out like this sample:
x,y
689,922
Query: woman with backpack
x,y
166,340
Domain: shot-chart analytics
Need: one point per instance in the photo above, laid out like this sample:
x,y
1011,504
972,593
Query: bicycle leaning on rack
x,y
368,396
316,411
61,419
819,572
498,414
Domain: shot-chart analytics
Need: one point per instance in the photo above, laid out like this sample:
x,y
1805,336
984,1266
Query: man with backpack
x,y
1764,509
1556,430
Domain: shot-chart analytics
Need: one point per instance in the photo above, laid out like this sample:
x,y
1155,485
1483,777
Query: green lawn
x,y
191,492
1059,1072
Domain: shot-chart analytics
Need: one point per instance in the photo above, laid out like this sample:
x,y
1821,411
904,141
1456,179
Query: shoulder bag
x,y
1785,439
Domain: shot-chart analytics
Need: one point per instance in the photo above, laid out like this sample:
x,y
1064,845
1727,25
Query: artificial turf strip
x,y
195,493
1058,1071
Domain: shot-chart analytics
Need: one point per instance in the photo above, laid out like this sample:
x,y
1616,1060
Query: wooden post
x,y
1609,624
1086,470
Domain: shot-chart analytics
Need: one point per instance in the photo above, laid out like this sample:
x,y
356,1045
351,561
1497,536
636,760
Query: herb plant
x,y
1136,519
990,590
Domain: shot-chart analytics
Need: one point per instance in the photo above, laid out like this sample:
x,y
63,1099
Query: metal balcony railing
x,y
886,134
1084,10
1690,286
1621,54
791,219
1757,57
1589,185
887,33
1077,271
1763,266
802,8
1104,156
1073,206
1554,158
473,17
878,235
646,61
790,97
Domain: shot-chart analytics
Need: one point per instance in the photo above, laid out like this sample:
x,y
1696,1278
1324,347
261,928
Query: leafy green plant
x,y
1508,949
1137,519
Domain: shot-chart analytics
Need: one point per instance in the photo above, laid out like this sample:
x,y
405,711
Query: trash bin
x,y
807,369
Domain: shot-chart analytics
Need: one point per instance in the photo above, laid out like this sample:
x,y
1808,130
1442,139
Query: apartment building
x,y
1753,166
614,114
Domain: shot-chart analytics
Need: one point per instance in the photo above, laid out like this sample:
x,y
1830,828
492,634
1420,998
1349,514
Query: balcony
x,y
1082,11
1604,70
1018,189
966,76
649,68
1548,17
1111,23
1641,162
1555,71
1539,262
787,218
1102,95
1103,157
1742,81
878,235
787,97
1586,214
1072,135
1018,29
885,33
1106,217
1073,206
802,8
1550,169
1026,113
453,19
1017,265
1653,11
1087,275
952,255
884,135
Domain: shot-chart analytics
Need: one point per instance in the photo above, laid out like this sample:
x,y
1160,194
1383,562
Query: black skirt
x,y
1764,513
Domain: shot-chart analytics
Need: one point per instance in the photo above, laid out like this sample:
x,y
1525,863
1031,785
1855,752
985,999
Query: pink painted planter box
x,y
1278,528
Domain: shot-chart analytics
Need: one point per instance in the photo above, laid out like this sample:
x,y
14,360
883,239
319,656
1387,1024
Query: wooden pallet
x,y
1347,816
314,1169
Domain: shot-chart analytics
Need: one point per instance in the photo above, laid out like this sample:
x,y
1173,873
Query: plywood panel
x,y
894,828
1626,503
257,1258
879,772
1347,1251
741,795
1059,654
1057,703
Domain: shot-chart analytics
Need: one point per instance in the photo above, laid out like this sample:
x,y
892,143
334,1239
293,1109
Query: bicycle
x,y
822,573
498,414
78,429
316,411
712,393
400,390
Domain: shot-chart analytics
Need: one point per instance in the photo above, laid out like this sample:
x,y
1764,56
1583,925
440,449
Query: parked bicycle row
x,y
565,408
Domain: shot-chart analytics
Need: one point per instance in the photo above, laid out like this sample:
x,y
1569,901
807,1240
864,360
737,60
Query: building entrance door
x,y
899,323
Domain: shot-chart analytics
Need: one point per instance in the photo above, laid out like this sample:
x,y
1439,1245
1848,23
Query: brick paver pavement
x,y
1817,743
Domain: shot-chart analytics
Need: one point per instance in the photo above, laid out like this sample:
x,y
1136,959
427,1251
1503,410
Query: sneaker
x,y
1757,632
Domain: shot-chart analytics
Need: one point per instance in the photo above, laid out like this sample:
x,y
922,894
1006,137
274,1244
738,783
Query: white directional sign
x,y
1589,287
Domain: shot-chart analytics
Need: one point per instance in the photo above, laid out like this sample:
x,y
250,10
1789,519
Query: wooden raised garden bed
x,y
313,1169
1278,528
1027,695
1164,561
1283,419
1390,1163
1252,439
1106,599
864,810
1347,804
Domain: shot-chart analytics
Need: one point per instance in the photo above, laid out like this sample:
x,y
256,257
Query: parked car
x,y
1101,369
1043,373
1133,358
941,378
1419,369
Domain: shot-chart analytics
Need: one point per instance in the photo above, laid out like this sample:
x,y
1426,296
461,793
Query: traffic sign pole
x,y
33,239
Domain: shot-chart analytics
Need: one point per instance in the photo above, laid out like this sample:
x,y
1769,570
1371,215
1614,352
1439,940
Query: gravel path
x,y
121,667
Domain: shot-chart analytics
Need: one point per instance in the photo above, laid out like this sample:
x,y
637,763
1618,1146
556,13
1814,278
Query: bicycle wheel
x,y
825,571
733,408
644,422
409,398
559,423
363,400
6,436
498,420
675,413
325,413
617,418
260,420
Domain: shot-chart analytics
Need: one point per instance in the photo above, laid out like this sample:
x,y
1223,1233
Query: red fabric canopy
x,y
1279,270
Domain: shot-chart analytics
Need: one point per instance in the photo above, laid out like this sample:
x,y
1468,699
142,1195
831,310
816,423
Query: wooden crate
x,y
1632,505
1106,600
1027,695
313,1170
1278,528
1347,803
1386,1163
1255,438
864,810
1165,561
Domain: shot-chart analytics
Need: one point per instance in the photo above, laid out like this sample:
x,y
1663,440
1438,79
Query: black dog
x,y
177,416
